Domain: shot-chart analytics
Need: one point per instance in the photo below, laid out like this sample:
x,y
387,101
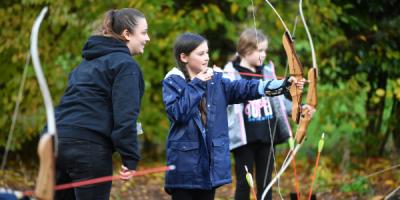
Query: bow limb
x,y
311,99
314,59
46,148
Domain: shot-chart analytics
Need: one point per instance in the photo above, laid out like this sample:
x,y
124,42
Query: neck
x,y
191,73
245,64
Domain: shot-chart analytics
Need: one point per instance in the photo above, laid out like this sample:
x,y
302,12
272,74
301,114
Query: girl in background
x,y
255,126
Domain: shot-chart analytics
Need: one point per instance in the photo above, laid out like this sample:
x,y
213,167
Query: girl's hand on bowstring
x,y
298,83
205,74
126,173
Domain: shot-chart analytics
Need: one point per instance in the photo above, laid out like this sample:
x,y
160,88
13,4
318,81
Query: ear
x,y
183,57
126,34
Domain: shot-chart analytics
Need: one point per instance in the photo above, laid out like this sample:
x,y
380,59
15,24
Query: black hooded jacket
x,y
102,101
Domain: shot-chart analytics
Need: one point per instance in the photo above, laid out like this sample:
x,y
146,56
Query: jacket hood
x,y
98,46
175,71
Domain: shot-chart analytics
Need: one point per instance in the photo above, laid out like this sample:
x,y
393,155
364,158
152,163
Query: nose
x,y
147,38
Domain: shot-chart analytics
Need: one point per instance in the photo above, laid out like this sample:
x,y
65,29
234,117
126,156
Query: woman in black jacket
x,y
98,111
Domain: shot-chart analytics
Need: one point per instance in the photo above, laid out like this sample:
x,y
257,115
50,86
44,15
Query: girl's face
x,y
257,57
138,39
198,59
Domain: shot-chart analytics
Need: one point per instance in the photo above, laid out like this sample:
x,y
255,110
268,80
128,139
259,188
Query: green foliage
x,y
359,186
340,115
355,45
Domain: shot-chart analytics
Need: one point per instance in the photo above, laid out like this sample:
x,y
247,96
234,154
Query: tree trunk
x,y
374,114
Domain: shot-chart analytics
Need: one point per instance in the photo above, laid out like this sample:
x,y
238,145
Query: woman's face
x,y
257,57
198,59
138,39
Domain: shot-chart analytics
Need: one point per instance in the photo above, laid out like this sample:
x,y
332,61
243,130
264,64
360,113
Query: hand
x,y
205,74
126,173
308,110
217,69
298,83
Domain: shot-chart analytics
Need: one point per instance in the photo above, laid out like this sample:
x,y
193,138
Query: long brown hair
x,y
116,21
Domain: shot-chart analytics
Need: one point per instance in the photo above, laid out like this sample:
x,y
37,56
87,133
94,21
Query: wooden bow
x,y
300,116
47,147
295,70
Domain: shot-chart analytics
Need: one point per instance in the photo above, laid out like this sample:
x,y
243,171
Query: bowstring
x,y
15,113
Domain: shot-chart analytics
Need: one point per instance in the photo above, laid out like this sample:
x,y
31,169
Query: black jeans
x,y
250,154
192,194
79,160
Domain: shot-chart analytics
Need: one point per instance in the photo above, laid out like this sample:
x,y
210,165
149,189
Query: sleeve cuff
x,y
273,84
130,164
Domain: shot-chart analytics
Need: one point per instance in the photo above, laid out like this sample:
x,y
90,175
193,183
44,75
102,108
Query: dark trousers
x,y
192,194
254,154
79,160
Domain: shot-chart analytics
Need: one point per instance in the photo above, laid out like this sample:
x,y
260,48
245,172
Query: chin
x,y
137,52
203,68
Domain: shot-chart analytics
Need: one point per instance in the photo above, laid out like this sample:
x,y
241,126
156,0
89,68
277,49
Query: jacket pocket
x,y
185,156
222,163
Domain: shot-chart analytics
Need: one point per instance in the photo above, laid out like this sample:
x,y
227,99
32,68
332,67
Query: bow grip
x,y
45,180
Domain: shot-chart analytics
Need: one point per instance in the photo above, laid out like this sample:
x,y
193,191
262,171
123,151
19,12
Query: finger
x,y
125,178
204,71
122,173
124,168
300,84
211,72
125,175
292,80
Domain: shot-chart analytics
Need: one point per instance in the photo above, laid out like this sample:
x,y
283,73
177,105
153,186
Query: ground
x,y
331,183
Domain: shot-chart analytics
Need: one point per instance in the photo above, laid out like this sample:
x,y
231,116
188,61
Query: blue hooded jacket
x,y
200,152
102,101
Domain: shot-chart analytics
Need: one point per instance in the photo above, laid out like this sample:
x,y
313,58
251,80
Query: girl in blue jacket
x,y
196,100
